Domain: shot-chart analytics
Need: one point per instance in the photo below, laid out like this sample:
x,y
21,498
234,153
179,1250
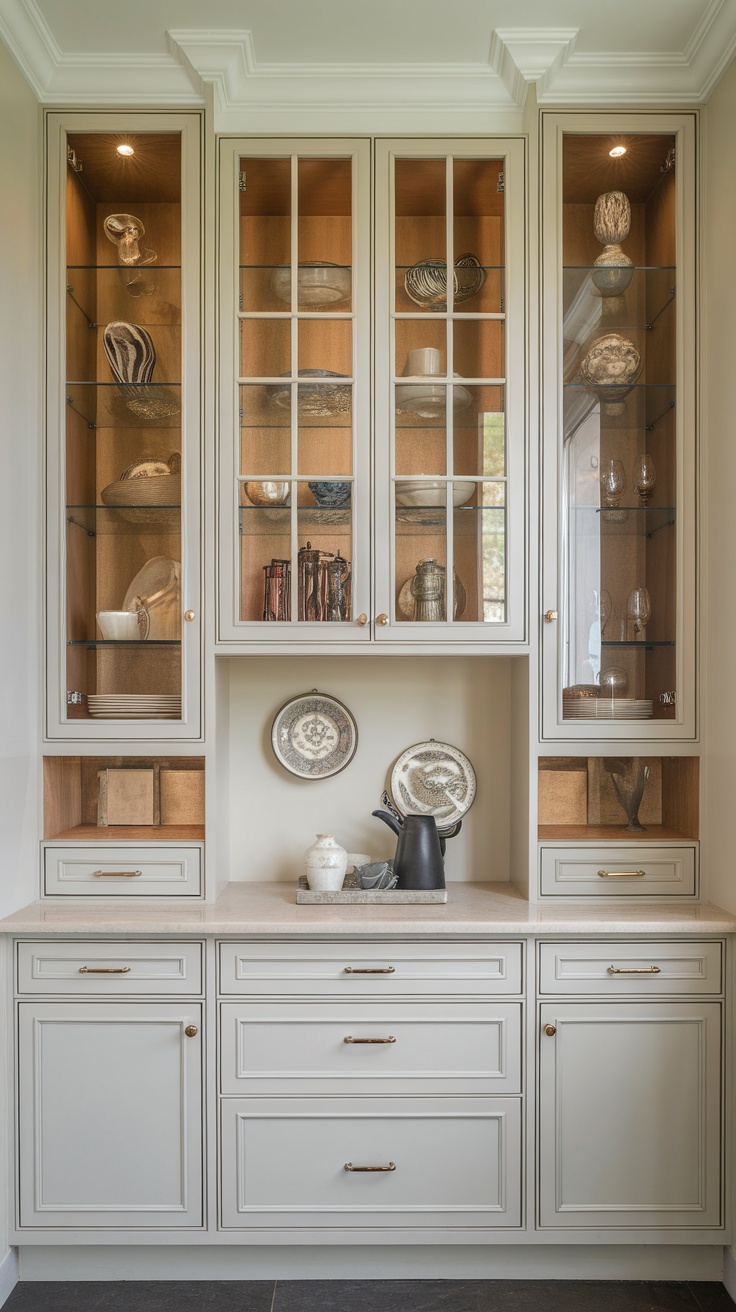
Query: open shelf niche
x,y
578,802
71,791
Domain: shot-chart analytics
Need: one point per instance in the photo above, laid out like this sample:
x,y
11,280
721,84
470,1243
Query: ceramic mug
x,y
124,625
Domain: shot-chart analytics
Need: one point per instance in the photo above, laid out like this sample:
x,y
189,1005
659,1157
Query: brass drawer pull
x,y
621,874
349,1039
634,970
369,970
116,874
349,1167
104,970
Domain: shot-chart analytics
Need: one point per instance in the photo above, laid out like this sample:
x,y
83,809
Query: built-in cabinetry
x,y
309,540
618,627
123,426
630,1092
109,1118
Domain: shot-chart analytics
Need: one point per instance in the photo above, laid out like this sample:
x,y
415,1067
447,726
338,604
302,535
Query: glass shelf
x,y
125,269
639,520
124,642
133,520
643,646
126,405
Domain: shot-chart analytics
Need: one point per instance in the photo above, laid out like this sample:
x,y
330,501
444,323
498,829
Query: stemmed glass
x,y
613,482
639,609
645,477
605,609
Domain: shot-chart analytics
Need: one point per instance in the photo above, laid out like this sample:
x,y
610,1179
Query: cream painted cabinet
x,y
364,503
123,427
110,1115
630,1080
619,552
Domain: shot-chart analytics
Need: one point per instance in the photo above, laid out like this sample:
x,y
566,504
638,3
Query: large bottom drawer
x,y
363,1163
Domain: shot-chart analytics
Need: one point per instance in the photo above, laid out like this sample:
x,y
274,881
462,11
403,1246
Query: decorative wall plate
x,y
314,736
436,779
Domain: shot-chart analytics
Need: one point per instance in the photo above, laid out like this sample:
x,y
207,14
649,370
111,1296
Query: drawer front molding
x,y
631,966
113,871
618,872
122,968
366,1048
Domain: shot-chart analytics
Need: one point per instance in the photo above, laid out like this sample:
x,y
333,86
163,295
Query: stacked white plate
x,y
135,706
606,708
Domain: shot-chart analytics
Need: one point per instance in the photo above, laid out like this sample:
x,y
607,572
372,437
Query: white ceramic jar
x,y
325,864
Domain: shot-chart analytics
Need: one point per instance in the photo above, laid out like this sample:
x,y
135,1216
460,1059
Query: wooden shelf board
x,y
131,834
609,834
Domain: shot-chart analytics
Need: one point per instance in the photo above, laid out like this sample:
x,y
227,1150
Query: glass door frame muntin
x,y
515,316
58,125
230,628
555,126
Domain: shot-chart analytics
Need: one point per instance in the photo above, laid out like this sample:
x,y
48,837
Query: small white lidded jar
x,y
325,864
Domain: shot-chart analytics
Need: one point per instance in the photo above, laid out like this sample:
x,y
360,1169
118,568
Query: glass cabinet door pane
x,y
296,407
449,434
123,474
619,438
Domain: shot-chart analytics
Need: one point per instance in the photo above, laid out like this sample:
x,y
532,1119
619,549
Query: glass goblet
x,y
613,482
645,478
639,609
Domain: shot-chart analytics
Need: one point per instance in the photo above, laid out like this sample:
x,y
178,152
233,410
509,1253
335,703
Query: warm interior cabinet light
x,y
125,150
617,151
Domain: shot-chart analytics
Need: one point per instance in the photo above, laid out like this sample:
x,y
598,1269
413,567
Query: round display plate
x,y
433,779
314,736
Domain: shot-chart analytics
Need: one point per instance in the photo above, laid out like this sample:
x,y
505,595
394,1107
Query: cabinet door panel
x,y
110,1116
451,1163
630,1115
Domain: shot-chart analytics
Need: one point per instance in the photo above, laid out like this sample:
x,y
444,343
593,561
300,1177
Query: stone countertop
x,y
258,910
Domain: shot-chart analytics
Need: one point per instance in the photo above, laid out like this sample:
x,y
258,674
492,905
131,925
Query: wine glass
x,y
645,477
613,482
639,609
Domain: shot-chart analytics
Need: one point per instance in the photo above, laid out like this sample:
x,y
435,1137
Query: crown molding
x,y
477,96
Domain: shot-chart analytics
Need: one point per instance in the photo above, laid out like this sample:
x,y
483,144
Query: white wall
x,y
20,388
719,523
396,702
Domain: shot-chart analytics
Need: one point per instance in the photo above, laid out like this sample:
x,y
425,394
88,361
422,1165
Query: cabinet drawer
x,y
109,967
370,1047
111,871
456,1162
350,969
645,966
625,871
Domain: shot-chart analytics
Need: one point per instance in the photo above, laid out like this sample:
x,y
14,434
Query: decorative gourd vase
x,y
325,863
611,224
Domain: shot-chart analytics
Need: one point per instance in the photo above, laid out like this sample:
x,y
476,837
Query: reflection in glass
x,y
645,478
639,609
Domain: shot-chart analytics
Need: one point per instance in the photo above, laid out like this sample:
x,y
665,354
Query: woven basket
x,y
143,498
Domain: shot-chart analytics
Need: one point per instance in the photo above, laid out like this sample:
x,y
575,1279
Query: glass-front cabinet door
x,y
123,422
618,342
294,404
450,392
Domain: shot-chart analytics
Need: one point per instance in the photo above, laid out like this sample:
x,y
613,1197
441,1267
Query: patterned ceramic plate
x,y
433,779
314,736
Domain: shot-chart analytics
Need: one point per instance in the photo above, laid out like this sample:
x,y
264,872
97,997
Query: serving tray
x,y
352,892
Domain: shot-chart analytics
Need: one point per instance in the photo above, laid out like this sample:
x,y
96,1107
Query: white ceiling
x,y
336,60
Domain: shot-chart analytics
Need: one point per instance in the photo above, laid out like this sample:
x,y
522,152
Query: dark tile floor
x,y
370,1296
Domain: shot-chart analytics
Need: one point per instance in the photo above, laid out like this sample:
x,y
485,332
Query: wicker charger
x,y
146,489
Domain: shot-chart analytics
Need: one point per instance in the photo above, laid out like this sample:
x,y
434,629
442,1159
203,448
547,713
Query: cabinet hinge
x,y
73,159
501,184
74,698
668,698
241,182
669,160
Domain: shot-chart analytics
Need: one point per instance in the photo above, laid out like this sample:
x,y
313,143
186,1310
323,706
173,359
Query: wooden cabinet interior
x,y
108,426
71,790
577,801
636,538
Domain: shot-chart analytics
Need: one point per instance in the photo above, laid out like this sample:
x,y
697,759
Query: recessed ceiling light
x,y
617,151
125,150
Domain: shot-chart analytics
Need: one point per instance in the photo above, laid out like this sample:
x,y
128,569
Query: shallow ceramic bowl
x,y
333,495
433,494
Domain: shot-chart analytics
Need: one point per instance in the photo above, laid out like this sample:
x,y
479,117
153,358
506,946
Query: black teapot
x,y
419,861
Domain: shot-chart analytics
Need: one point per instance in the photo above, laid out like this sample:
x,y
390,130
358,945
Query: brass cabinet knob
x,y
191,1031
551,616
190,615
550,1030
382,618
362,619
